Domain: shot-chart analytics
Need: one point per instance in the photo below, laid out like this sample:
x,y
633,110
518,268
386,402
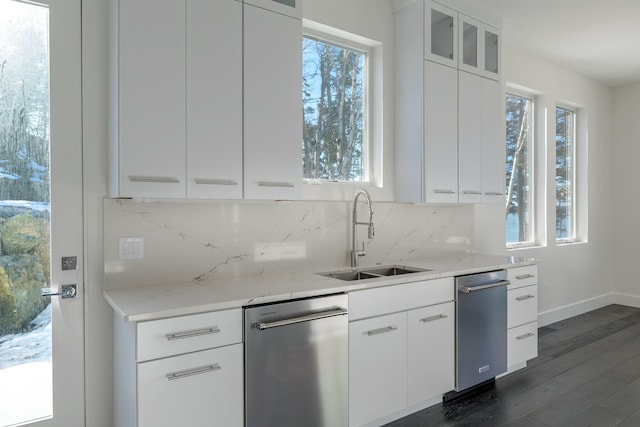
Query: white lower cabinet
x,y
522,316
377,367
431,352
401,349
184,370
197,389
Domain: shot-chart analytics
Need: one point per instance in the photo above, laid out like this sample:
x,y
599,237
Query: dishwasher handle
x,y
316,315
469,289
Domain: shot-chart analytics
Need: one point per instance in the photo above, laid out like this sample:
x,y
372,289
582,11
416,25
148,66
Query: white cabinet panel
x,y
492,49
522,305
377,367
272,105
493,142
470,132
522,343
196,389
214,99
431,352
183,334
522,276
392,299
151,99
441,133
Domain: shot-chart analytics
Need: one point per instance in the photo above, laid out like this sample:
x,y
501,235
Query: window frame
x,y
344,190
345,43
533,164
573,234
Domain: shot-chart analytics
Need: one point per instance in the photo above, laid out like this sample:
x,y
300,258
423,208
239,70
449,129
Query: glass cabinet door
x,y
491,53
441,35
291,8
469,44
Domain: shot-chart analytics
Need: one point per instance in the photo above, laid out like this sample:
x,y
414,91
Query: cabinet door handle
x,y
191,334
207,181
433,318
195,371
525,336
479,193
381,330
275,184
438,191
525,276
493,193
154,179
525,297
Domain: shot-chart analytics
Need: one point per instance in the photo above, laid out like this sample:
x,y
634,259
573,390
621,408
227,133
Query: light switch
x,y
130,248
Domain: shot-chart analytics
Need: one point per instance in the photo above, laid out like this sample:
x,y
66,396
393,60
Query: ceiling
x,y
597,38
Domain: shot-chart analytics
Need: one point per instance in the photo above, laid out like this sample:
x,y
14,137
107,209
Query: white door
x,y
41,338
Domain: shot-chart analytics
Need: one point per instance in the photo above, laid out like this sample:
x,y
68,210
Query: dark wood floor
x,y
587,373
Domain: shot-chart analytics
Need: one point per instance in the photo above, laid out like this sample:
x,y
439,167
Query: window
x,y
565,175
519,201
334,94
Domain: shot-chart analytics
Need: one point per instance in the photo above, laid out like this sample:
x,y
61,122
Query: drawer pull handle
x,y
478,193
190,334
525,297
275,184
433,318
154,179
525,276
381,330
195,371
525,336
208,181
439,191
493,193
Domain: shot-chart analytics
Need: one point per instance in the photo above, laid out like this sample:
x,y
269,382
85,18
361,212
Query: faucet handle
x,y
372,231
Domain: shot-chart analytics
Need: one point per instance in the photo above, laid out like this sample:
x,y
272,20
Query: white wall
x,y
573,278
626,133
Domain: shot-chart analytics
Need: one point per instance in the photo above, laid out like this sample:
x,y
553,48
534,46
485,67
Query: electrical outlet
x,y
130,248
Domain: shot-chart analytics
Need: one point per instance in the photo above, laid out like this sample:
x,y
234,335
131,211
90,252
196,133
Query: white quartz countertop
x,y
177,299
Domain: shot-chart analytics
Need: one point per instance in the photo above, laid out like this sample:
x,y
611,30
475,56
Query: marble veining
x,y
200,242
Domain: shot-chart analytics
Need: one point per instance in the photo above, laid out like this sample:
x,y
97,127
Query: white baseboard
x,y
557,314
626,299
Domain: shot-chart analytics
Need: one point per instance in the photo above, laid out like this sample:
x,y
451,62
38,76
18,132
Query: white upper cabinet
x,y
492,52
441,34
441,134
479,47
449,143
272,105
148,156
214,99
291,8
194,118
470,106
493,143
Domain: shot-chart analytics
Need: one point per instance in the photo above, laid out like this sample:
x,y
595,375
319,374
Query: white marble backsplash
x,y
194,242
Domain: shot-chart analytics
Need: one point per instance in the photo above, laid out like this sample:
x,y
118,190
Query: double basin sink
x,y
372,272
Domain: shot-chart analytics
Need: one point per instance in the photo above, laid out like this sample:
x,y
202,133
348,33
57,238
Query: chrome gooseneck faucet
x,y
355,253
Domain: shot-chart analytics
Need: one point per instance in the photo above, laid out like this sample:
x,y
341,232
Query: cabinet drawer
x,y
184,334
522,305
197,389
395,298
522,276
522,343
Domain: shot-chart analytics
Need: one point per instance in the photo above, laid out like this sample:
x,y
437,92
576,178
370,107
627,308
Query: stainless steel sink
x,y
372,272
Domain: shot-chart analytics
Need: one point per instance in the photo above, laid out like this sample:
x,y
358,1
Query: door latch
x,y
66,291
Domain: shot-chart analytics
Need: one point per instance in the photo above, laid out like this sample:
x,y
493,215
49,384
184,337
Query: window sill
x,y
524,246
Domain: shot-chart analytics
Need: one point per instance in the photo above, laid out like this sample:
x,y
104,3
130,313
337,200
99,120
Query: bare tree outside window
x,y
519,170
334,145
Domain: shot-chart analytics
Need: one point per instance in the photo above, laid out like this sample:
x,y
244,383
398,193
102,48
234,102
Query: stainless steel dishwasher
x,y
481,328
296,363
